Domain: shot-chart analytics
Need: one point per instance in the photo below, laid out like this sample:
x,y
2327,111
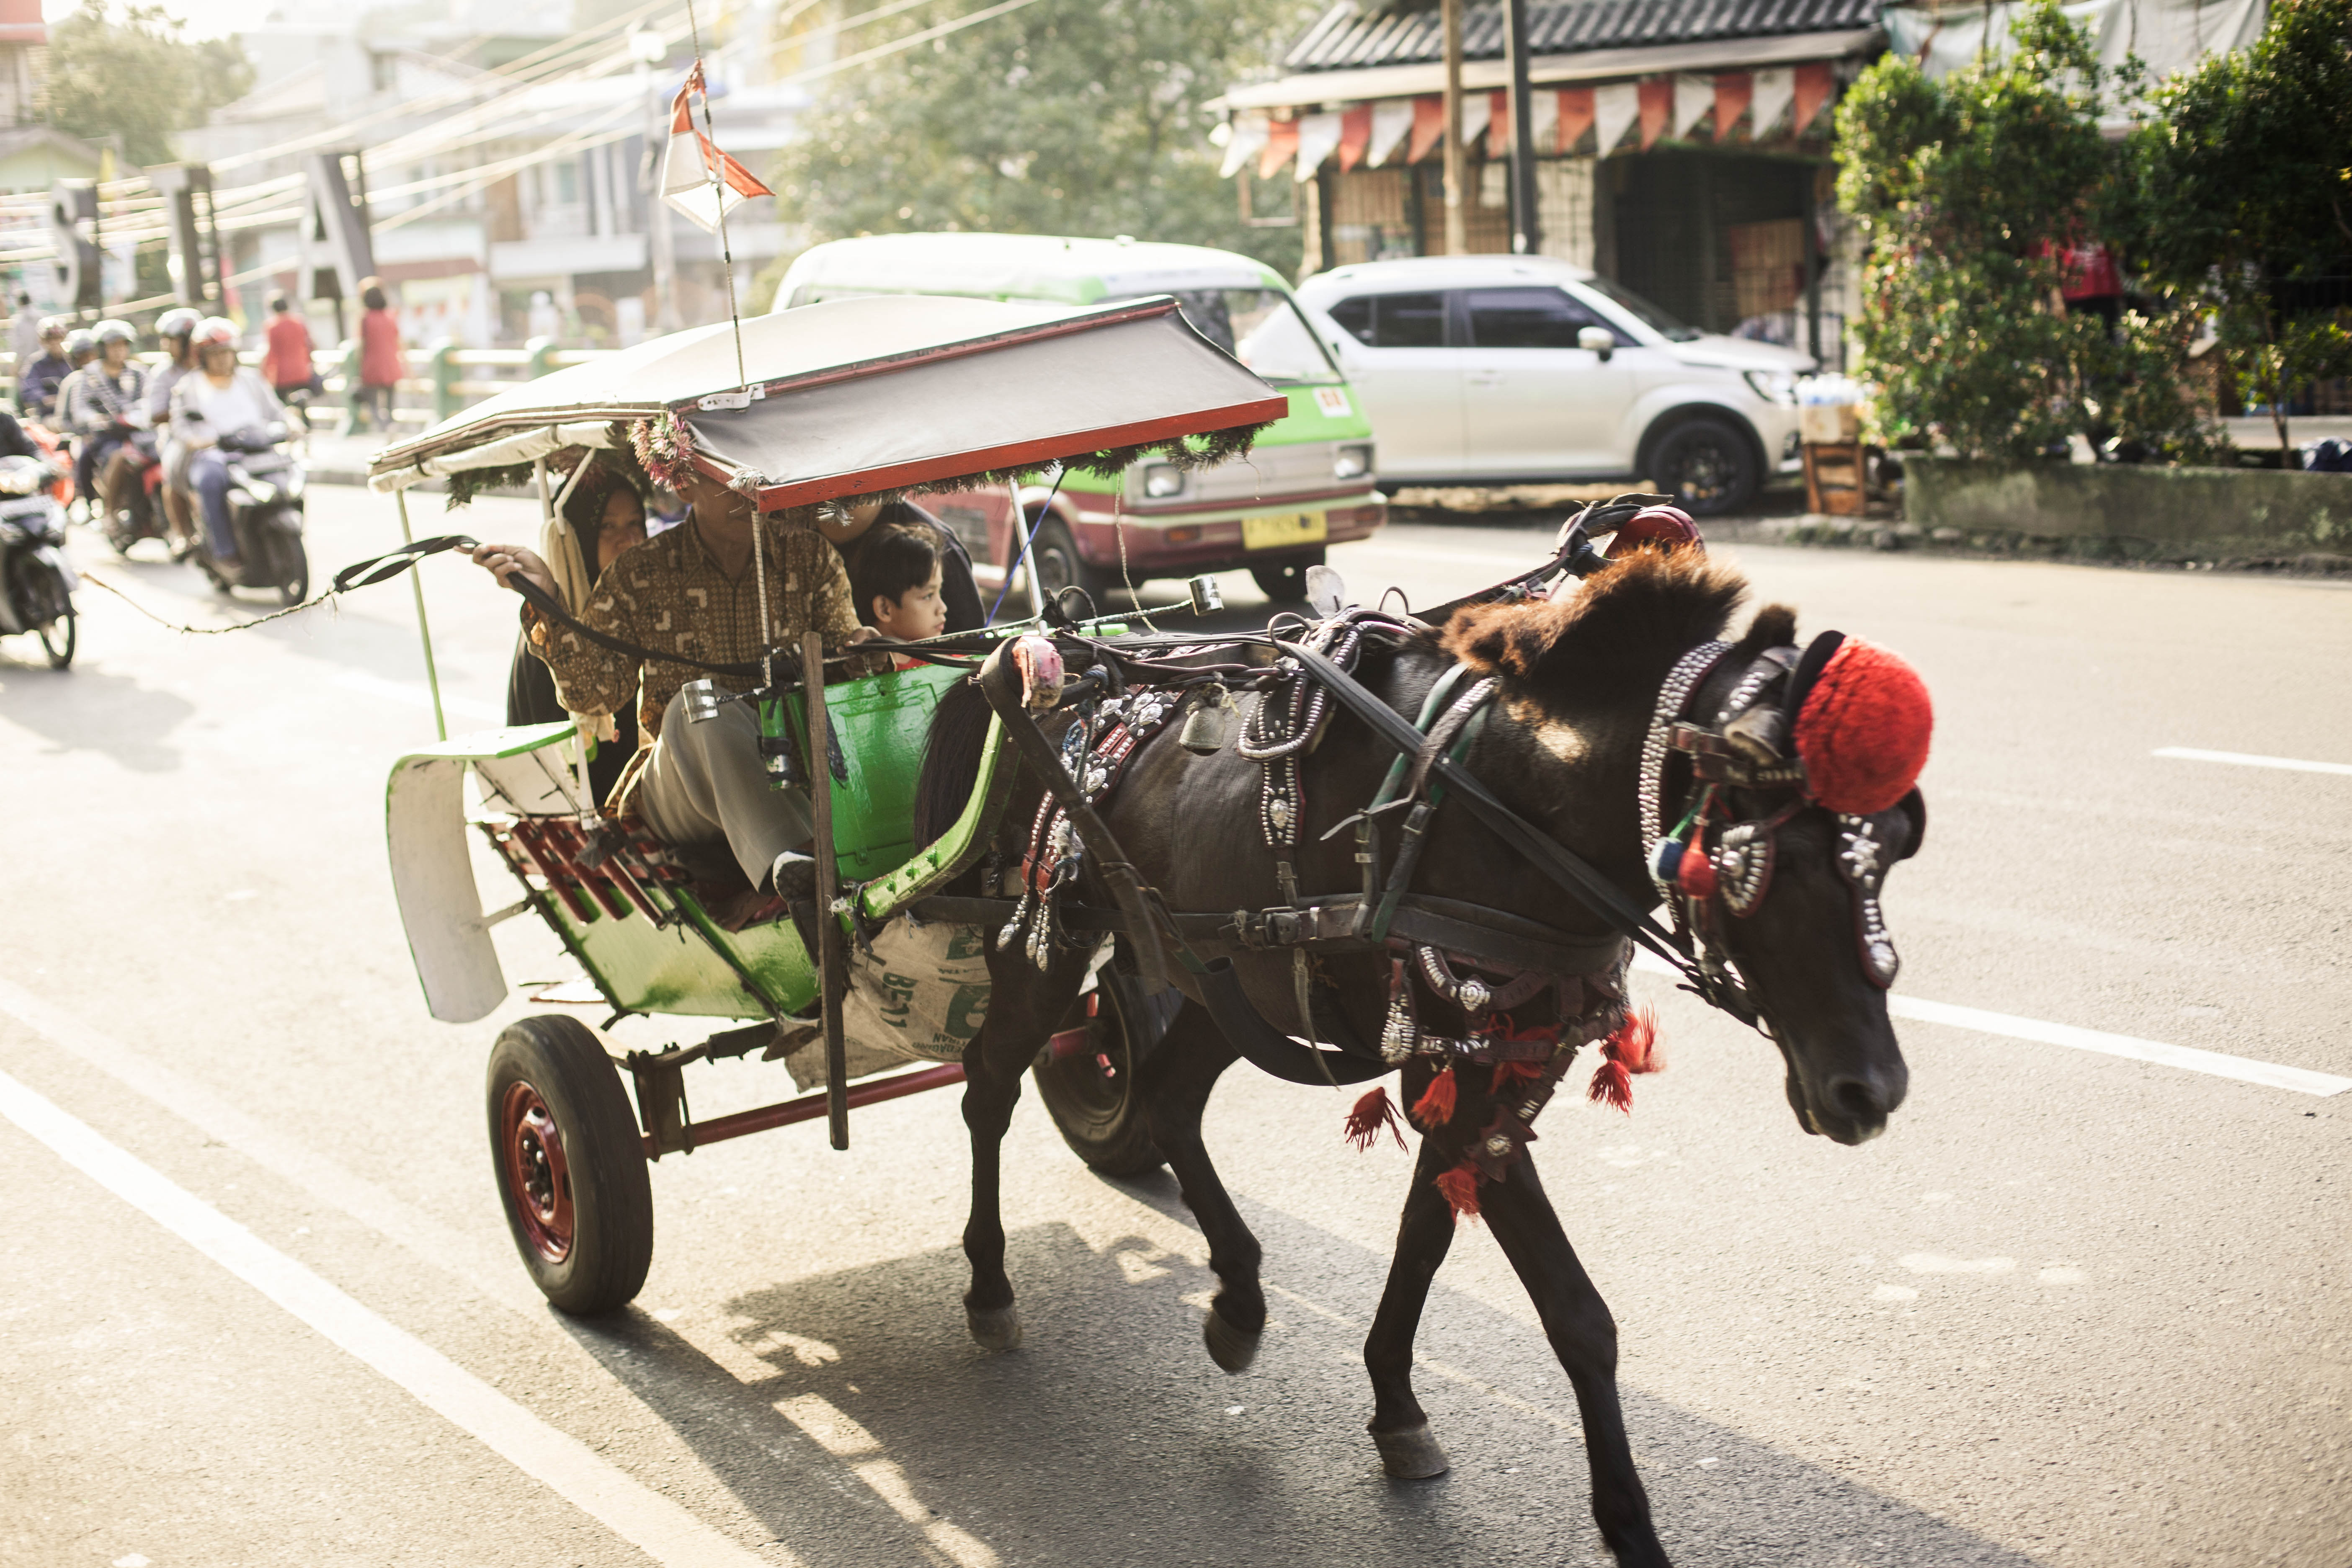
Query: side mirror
x,y
1599,340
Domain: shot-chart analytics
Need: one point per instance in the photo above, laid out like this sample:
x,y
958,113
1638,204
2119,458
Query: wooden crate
x,y
1835,477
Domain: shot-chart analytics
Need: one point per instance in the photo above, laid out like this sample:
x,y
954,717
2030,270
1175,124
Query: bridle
x,y
1711,866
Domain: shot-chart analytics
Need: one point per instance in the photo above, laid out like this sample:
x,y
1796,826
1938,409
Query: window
x,y
1649,315
1393,320
1260,327
1529,318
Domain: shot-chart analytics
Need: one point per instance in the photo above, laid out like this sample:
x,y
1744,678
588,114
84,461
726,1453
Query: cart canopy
x,y
856,397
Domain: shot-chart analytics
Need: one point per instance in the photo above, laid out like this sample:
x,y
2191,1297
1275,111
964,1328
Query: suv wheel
x,y
1707,465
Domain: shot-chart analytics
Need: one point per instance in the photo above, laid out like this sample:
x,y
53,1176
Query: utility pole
x,y
651,49
1526,239
1457,220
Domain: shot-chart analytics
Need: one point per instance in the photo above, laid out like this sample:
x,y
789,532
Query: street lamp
x,y
648,45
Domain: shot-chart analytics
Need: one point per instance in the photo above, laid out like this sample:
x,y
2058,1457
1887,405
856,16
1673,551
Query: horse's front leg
x,y
1175,1080
1023,1008
1399,1427
1584,1336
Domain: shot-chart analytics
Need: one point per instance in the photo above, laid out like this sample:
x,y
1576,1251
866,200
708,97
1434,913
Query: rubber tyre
x,y
1285,582
290,566
1707,466
39,588
1055,559
1102,1118
597,1200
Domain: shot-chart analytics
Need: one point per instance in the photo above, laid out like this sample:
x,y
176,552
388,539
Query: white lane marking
x,y
2249,760
417,696
2189,1058
653,1523
489,1271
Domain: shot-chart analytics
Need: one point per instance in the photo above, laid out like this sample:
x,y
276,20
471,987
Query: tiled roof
x,y
1344,38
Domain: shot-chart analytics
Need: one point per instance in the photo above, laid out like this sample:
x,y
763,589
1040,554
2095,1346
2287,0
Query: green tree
x,y
2243,191
1076,117
1965,189
129,73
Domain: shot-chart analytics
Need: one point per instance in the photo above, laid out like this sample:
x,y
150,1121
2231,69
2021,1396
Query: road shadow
x,y
84,709
1110,1439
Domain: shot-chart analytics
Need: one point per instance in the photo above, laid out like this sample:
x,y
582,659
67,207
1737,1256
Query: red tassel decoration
x,y
1372,1113
1460,1187
1697,872
1633,1048
1508,1073
1435,1109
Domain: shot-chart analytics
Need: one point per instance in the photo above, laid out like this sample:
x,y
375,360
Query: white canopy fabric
x,y
910,385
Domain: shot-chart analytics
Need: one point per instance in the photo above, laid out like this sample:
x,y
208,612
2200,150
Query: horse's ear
x,y
1775,626
1914,807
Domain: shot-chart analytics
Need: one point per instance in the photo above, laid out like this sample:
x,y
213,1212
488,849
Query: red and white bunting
x,y
1770,105
697,179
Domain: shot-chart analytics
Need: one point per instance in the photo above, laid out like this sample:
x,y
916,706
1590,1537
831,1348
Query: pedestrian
x,y
379,358
287,363
24,331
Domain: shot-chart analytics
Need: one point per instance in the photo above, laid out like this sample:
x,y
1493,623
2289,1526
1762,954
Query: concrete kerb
x,y
2126,513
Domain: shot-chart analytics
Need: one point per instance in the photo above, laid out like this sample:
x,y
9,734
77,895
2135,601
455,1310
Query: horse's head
x,y
1773,790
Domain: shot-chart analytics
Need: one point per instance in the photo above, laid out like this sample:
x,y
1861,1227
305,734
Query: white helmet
x,y
176,322
214,331
113,332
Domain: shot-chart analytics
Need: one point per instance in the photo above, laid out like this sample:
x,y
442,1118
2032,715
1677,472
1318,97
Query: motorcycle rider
x,y
96,405
36,383
173,330
218,397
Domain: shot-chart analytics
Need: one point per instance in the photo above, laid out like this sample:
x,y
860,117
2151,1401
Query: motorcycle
x,y
143,517
37,581
265,512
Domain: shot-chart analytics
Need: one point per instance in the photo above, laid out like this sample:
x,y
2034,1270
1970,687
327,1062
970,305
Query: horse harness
x,y
1709,865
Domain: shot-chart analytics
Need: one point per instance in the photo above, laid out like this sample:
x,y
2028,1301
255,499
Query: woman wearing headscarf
x,y
601,517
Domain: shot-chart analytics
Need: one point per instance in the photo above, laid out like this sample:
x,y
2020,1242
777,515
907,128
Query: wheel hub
x,y
538,1182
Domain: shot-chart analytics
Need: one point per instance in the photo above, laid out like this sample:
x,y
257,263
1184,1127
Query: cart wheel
x,y
1091,1093
571,1168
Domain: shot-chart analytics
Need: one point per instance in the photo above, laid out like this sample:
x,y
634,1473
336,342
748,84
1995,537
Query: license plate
x,y
1277,529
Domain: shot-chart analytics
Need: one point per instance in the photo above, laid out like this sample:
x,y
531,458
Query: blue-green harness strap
x,y
1441,696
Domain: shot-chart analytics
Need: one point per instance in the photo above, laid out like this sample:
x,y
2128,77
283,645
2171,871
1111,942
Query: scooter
x,y
37,581
265,513
143,518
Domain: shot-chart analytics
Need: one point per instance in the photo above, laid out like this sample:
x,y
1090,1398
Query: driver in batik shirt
x,y
695,591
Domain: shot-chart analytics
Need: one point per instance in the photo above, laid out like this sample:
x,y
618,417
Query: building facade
x,y
1682,149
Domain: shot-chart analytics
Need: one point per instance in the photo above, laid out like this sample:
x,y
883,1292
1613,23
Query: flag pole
x,y
718,198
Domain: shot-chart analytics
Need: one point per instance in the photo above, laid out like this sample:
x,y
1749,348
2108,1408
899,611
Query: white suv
x,y
1521,369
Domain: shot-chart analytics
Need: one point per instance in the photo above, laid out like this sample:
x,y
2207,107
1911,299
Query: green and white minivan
x,y
1307,483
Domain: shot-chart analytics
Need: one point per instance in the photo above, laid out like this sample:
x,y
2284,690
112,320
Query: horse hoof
x,y
1231,1347
995,1328
1412,1455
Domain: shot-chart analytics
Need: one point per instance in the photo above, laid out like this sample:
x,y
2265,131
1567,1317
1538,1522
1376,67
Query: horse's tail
x,y
951,760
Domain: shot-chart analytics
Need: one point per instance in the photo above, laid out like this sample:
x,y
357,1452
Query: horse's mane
x,y
1632,620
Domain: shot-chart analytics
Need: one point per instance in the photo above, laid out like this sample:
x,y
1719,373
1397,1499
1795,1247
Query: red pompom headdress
x,y
1862,729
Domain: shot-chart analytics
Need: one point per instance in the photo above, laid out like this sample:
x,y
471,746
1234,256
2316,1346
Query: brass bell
x,y
1206,725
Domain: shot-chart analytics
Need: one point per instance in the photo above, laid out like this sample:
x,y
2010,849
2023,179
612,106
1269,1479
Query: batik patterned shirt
x,y
670,595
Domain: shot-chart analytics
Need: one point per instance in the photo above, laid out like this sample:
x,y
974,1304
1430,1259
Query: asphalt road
x,y
2073,1309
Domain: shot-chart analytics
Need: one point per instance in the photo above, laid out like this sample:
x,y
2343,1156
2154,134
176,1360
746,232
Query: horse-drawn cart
x,y
839,401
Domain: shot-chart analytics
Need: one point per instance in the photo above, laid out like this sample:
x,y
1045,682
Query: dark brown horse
x,y
1577,682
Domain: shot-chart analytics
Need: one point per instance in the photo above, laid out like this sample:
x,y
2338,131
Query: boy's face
x,y
919,612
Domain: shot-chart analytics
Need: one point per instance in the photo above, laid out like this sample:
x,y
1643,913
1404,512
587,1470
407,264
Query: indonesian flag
x,y
697,179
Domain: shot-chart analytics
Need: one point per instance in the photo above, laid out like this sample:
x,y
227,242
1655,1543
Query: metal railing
x,y
442,379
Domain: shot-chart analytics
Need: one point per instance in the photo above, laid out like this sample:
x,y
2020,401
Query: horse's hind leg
x,y
1175,1080
1584,1336
1399,1427
1023,1008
